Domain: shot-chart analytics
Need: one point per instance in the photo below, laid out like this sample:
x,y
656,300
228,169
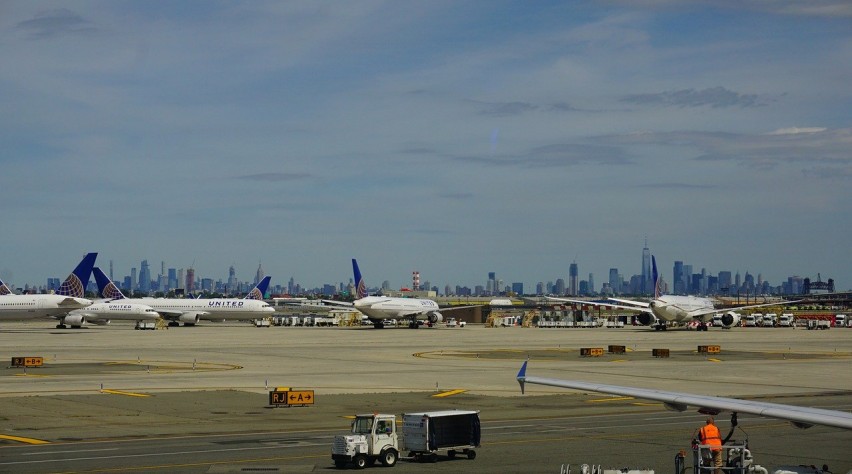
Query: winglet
x,y
522,376
360,285
258,292
106,288
76,283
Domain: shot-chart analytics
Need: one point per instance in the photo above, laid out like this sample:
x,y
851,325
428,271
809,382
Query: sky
x,y
454,138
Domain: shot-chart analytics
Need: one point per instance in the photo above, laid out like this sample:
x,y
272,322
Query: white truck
x,y
752,319
840,320
786,320
375,437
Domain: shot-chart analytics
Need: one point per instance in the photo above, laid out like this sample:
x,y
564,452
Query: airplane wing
x,y
455,308
801,417
175,315
69,302
638,307
699,314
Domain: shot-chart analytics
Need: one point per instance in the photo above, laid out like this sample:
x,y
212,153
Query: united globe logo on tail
x,y
360,285
75,285
4,290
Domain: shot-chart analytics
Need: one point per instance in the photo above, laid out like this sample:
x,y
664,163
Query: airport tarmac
x,y
200,393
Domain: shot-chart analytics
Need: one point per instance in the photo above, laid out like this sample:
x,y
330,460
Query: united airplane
x,y
190,311
68,297
800,417
103,311
665,309
379,308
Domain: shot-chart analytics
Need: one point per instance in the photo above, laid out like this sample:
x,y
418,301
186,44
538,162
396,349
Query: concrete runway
x,y
206,390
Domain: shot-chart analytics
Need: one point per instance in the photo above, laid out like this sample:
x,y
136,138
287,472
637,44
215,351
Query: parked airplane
x,y
379,308
68,297
190,311
101,312
800,417
664,309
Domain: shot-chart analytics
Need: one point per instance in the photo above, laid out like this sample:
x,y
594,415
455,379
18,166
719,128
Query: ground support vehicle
x,y
146,325
375,437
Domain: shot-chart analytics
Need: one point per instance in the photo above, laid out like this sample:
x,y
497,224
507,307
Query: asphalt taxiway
x,y
195,399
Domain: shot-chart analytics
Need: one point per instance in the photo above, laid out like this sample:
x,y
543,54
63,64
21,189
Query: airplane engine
x,y
647,319
74,320
730,319
188,318
435,318
99,322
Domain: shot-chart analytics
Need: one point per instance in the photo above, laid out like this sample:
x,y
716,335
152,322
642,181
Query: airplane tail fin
x,y
4,290
360,286
258,292
106,288
76,283
656,277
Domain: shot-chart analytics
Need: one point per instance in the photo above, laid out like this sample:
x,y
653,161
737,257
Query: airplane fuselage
x,y
24,307
208,309
119,311
679,309
380,307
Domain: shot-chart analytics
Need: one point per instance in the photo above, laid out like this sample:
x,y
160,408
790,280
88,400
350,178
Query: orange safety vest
x,y
709,435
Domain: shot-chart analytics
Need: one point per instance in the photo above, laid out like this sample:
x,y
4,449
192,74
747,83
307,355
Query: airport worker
x,y
709,435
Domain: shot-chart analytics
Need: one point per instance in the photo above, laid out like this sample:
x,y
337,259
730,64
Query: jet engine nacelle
x,y
74,320
730,319
188,318
435,318
647,319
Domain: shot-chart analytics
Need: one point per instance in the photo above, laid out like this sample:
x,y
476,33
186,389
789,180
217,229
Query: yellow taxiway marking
x,y
449,393
714,360
30,375
24,440
611,399
129,394
619,360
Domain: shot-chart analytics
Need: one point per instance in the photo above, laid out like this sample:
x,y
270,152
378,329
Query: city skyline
x,y
492,282
451,138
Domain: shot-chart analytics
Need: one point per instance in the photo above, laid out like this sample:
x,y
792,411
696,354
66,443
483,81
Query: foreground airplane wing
x,y
638,307
699,314
801,417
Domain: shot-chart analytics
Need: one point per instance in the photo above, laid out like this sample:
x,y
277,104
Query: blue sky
x,y
454,138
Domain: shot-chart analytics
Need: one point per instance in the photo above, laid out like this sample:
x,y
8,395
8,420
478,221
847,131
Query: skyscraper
x,y
614,281
190,280
259,274
647,275
573,283
678,278
145,277
232,280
